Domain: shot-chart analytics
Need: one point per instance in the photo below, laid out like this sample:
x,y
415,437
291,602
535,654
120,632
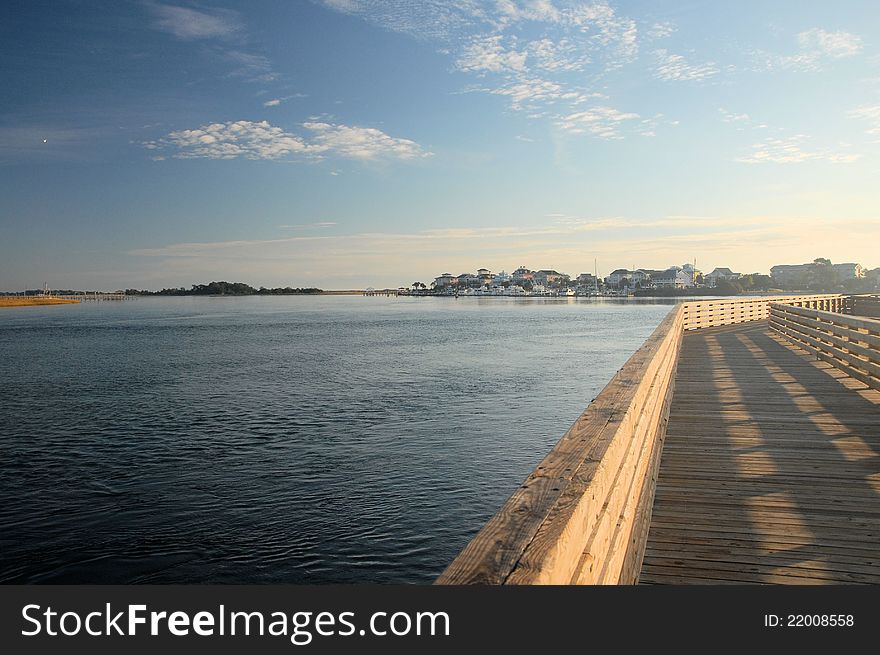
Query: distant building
x,y
674,278
587,280
485,276
615,278
547,277
693,272
501,278
623,277
522,274
445,280
790,275
849,271
720,274
468,280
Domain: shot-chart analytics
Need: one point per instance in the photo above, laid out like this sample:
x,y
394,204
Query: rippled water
x,y
287,439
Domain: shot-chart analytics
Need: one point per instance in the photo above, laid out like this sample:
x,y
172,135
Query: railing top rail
x,y
760,299
857,322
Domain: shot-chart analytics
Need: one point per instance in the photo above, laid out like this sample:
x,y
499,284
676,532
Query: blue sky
x,y
352,143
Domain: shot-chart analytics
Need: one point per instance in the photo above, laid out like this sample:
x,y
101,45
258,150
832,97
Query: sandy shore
x,y
12,301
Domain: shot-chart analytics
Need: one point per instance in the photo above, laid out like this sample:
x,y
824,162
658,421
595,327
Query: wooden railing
x,y
851,343
582,515
713,313
866,305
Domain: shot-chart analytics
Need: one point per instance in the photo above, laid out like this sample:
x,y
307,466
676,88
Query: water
x,y
286,439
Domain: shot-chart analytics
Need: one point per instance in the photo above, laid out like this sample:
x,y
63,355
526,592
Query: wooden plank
x,y
770,471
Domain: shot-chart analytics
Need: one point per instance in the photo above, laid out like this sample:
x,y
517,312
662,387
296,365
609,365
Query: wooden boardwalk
x,y
770,472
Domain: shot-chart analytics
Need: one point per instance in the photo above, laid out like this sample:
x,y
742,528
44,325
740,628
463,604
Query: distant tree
x,y
822,276
728,287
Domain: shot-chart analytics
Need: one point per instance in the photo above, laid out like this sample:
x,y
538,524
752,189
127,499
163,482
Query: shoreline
x,y
12,301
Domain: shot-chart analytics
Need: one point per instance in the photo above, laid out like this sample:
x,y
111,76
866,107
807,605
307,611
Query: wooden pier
x,y
739,444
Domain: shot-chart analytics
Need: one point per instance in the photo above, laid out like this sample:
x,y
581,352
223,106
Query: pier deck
x,y
739,444
770,471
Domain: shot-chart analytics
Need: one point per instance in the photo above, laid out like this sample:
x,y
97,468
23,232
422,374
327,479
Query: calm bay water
x,y
283,440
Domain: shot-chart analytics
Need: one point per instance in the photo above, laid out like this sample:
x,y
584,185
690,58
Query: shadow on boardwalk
x,y
771,468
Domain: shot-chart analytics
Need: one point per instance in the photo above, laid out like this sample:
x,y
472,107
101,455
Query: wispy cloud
x,y
732,117
570,44
831,44
662,30
602,122
487,54
673,67
794,150
533,93
361,142
251,67
194,24
302,226
871,115
816,47
272,103
261,140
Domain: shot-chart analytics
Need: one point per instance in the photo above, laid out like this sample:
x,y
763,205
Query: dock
x,y
740,444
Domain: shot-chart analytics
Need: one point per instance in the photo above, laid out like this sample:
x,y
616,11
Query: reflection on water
x,y
286,439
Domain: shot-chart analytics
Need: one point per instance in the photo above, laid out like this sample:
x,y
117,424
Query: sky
x,y
353,143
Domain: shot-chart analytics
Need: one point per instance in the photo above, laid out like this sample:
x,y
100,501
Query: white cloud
x,y
362,142
832,44
602,122
557,56
793,150
272,103
261,140
662,30
815,47
870,114
191,24
731,117
525,93
487,54
672,67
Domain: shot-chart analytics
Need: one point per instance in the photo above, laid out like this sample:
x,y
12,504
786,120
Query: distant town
x,y
819,275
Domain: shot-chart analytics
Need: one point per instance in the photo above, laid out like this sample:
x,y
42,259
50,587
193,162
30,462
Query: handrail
x,y
727,311
582,515
851,343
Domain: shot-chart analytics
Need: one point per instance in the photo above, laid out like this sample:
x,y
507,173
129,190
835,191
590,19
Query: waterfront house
x,y
720,274
673,278
549,277
445,280
468,280
521,275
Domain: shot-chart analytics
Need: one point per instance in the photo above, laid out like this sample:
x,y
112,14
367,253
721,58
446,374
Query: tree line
x,y
226,289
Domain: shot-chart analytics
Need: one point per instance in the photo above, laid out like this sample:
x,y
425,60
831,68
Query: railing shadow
x,y
771,468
